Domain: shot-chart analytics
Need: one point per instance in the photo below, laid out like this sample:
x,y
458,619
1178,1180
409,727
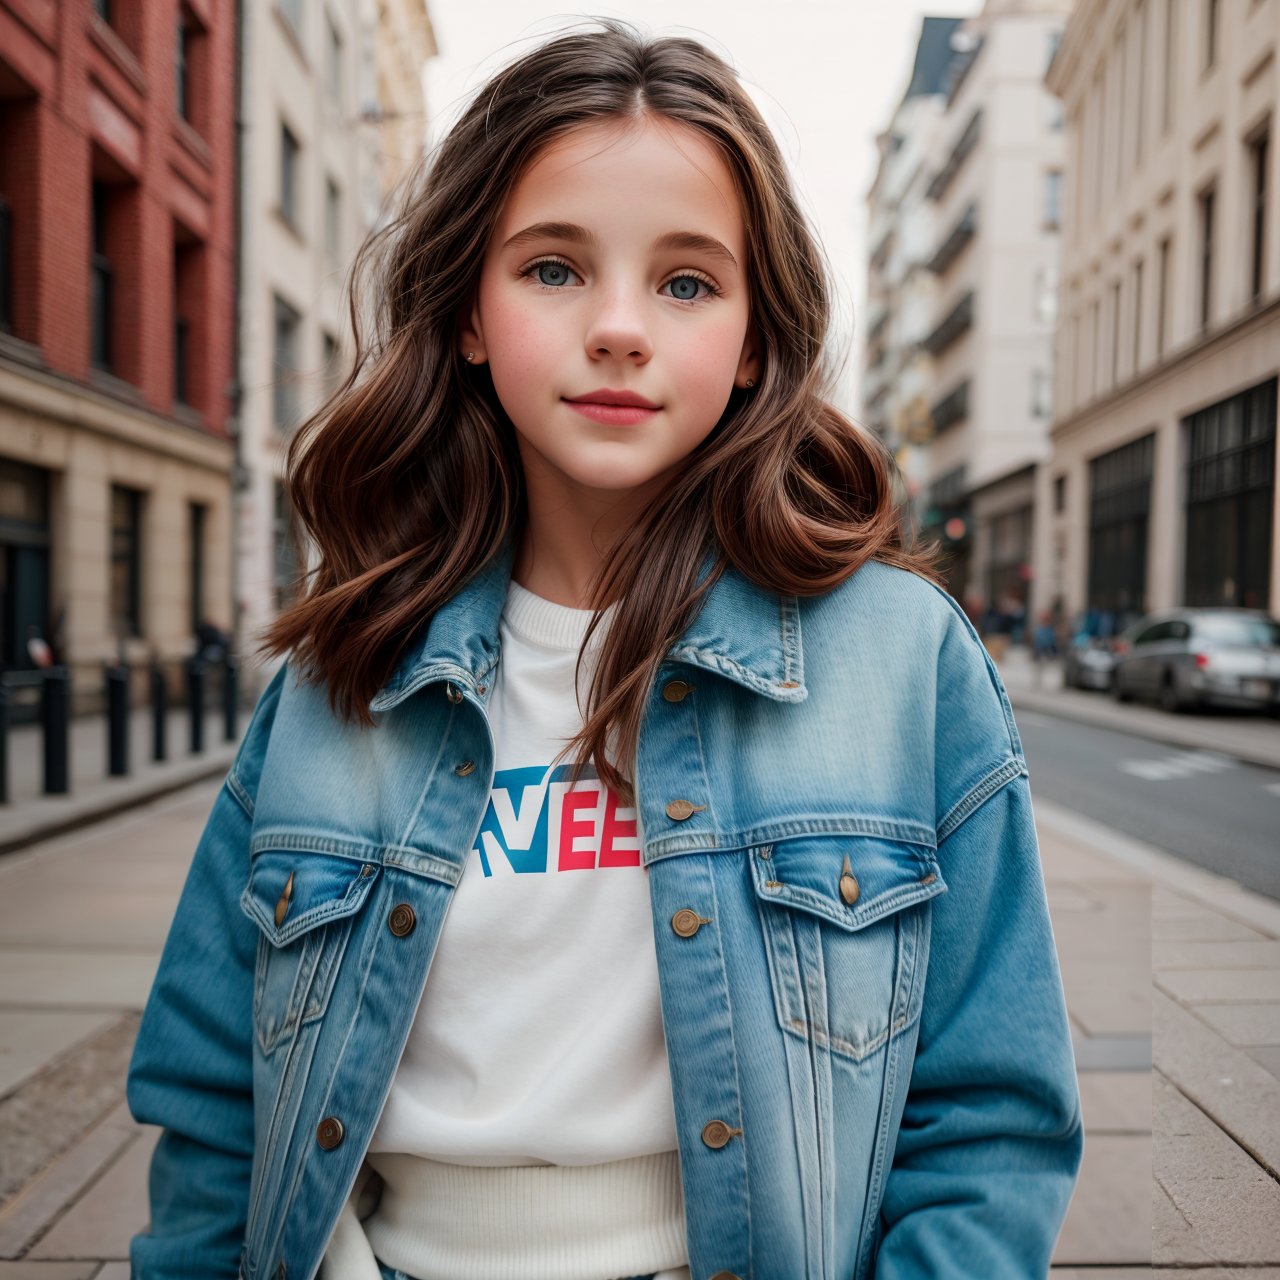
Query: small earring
x,y
471,355
750,383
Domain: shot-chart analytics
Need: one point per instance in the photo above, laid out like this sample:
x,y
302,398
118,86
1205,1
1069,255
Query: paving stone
x,y
113,1271
1172,1239
1108,999
1229,1204
75,979
32,1038
110,1213
1109,1218
1238,1094
1268,1055
1243,1024
49,1271
1220,986
1216,955
1206,926
1116,1101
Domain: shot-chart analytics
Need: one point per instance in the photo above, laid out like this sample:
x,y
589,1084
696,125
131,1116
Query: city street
x,y
1172,977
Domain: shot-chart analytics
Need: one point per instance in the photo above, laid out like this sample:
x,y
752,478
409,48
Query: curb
x,y
72,812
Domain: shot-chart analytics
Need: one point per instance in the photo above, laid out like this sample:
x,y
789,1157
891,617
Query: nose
x,y
618,326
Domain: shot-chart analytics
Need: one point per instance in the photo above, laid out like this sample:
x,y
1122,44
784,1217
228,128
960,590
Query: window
x,y
332,222
1115,333
1170,71
182,52
1230,485
1258,162
1162,298
126,561
100,341
333,62
289,151
197,514
1059,494
6,266
284,536
1119,510
1053,199
288,324
1210,33
1137,314
1041,394
1206,256
181,337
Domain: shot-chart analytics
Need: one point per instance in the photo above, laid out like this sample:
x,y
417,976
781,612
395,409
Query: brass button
x,y
686,923
329,1132
452,692
715,1133
848,883
466,767
679,810
402,920
368,869
282,907
676,690
726,1275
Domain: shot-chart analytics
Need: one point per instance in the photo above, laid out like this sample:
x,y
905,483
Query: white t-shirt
x,y
530,1128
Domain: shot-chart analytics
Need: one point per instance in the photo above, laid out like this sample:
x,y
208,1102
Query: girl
x,y
763,985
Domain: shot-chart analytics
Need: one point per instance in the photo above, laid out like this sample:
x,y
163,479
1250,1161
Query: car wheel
x,y
1170,698
1118,692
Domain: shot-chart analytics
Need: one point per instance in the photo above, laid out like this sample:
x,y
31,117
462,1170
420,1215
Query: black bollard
x,y
159,713
195,703
4,743
54,705
117,720
230,692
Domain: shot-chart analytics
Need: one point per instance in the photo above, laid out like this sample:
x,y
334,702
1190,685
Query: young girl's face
x,y
639,286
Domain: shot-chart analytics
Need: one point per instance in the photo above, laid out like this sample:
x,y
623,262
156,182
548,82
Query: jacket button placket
x,y
673,793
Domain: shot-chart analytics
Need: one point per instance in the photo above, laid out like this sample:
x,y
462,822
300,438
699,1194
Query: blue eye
x,y
554,266
560,271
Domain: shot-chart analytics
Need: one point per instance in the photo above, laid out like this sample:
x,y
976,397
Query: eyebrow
x,y
693,241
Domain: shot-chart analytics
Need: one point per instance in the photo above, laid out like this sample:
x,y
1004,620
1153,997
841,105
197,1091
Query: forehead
x,y
646,175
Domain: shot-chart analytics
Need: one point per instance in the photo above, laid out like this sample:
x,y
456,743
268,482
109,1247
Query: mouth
x,y
620,415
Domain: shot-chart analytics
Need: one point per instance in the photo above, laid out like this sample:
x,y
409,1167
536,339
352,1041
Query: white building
x,y
996,187
1162,485
321,84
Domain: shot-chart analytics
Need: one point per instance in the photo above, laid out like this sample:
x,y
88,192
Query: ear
x,y
470,333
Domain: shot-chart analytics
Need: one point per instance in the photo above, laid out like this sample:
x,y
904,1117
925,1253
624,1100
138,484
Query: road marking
x,y
1182,765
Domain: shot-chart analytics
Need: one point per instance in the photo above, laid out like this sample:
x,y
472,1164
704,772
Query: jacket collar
x,y
743,632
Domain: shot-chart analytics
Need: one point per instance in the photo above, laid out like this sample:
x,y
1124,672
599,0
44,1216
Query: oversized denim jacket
x,y
869,1050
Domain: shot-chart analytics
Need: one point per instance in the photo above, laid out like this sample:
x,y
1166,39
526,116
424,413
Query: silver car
x,y
1199,657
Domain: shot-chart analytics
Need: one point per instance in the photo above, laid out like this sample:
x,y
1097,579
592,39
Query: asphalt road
x,y
1202,806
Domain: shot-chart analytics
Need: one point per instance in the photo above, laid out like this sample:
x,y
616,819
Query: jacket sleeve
x,y
192,1065
991,1136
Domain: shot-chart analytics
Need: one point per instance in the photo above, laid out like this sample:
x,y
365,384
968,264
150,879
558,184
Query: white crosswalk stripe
x,y
1181,765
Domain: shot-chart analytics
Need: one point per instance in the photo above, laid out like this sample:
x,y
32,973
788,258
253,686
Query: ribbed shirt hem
x,y
552,625
441,1221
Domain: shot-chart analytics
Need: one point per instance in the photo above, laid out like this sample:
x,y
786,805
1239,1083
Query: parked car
x,y
1200,657
1087,663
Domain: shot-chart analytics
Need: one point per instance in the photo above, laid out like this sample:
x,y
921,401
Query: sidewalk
x,y
83,918
1252,738
31,815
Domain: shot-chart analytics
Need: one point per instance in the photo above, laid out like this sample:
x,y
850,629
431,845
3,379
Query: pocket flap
x,y
880,875
293,890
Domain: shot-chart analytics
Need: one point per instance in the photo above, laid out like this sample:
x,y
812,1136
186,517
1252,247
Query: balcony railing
x,y
960,234
957,321
952,408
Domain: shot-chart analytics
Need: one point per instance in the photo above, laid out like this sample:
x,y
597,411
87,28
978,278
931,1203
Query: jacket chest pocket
x,y
304,904
845,936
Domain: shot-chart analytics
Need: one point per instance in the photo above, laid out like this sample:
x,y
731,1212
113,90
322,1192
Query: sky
x,y
826,80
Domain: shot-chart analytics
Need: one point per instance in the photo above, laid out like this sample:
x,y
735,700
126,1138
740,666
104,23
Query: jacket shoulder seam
x,y
239,792
979,793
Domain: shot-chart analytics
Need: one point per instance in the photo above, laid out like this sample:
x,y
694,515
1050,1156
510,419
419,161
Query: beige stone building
x,y
332,99
1161,487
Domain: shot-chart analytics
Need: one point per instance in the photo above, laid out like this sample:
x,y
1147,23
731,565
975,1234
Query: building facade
x,y
317,100
116,363
901,289
1162,484
996,187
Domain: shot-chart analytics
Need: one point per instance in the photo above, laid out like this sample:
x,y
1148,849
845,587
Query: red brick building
x,y
117,293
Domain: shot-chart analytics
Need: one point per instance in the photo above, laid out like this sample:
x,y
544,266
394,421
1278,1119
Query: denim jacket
x,y
870,1059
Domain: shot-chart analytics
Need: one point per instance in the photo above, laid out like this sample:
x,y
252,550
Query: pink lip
x,y
617,415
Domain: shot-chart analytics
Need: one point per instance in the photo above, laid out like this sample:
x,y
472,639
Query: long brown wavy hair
x,y
408,481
